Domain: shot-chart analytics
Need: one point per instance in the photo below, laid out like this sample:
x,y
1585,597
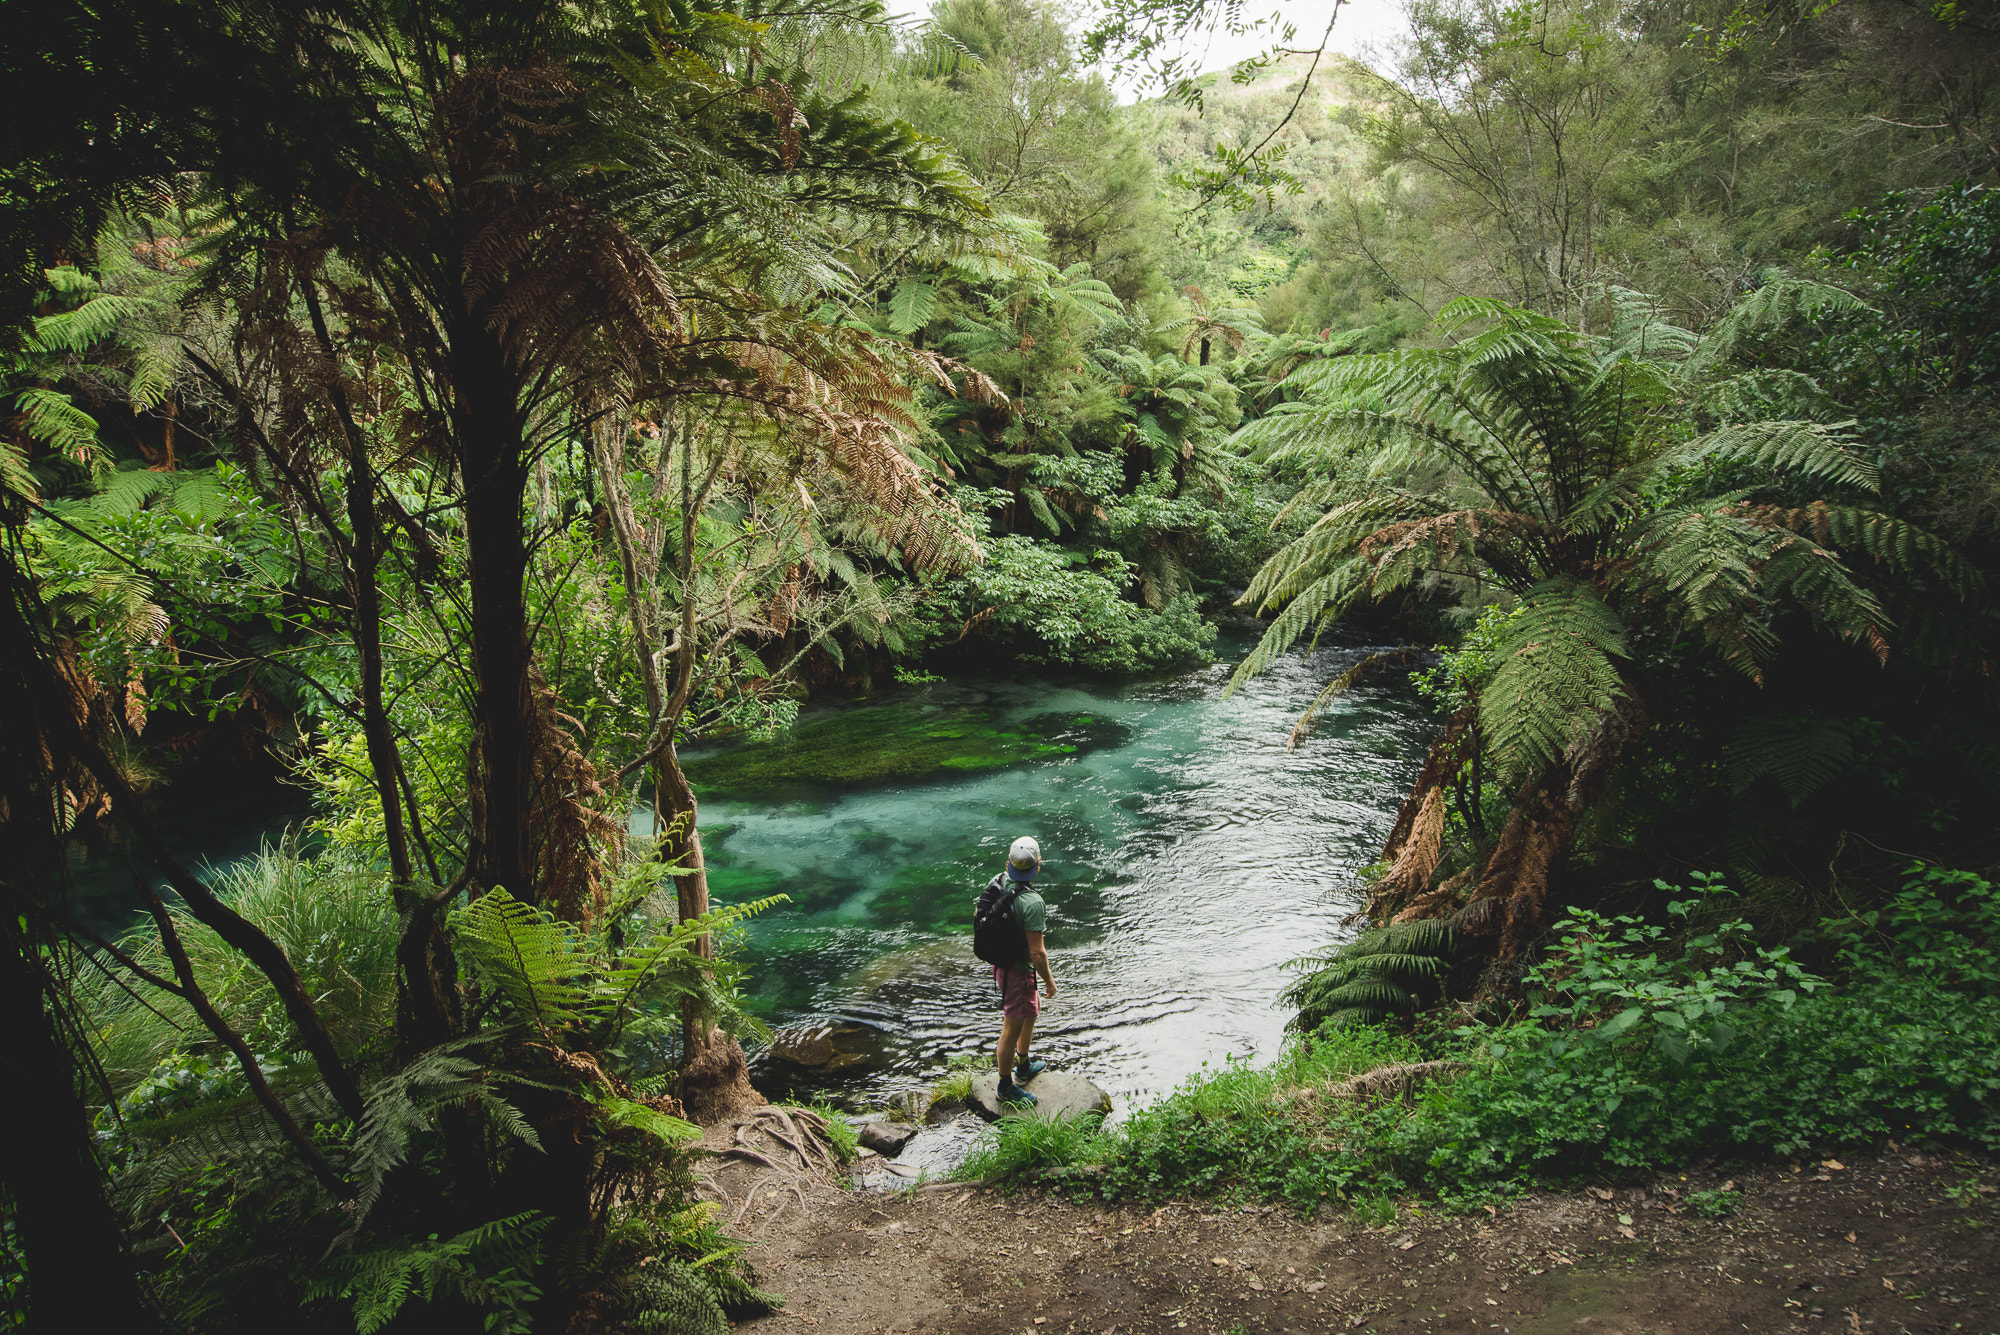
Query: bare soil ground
x,y
1902,1242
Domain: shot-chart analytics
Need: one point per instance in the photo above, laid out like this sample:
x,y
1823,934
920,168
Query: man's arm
x,y
1038,956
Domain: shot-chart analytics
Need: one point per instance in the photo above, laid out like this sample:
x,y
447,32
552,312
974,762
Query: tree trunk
x,y
715,1080
491,449
80,1276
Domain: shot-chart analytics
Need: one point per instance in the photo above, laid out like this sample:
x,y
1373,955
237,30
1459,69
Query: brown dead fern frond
x,y
1431,904
1421,852
575,843
1447,754
1372,1089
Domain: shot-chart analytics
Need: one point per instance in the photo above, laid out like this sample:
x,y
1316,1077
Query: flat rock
x,y
1057,1094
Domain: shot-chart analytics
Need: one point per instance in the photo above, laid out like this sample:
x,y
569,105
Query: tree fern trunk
x,y
79,1275
492,450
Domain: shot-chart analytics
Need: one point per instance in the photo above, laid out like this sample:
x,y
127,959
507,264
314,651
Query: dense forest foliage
x,y
458,409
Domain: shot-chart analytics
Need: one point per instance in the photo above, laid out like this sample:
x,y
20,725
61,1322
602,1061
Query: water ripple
x,y
1182,868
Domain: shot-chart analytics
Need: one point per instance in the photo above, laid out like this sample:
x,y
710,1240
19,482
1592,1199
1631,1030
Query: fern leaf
x,y
54,420
1800,754
648,1121
1809,449
1555,675
910,305
14,474
538,962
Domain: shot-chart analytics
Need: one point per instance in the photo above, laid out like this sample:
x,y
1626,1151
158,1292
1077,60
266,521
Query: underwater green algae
x,y
893,743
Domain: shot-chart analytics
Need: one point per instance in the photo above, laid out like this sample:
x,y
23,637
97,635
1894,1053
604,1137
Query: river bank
x,y
1899,1241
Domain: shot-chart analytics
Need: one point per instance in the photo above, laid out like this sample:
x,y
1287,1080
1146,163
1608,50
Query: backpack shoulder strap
x,y
1004,899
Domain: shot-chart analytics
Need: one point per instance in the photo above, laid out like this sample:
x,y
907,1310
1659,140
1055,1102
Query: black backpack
x,y
996,937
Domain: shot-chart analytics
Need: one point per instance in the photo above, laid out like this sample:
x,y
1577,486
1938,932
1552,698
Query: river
x,y
1187,856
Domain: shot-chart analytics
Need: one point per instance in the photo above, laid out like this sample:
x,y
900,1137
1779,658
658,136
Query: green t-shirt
x,y
1030,913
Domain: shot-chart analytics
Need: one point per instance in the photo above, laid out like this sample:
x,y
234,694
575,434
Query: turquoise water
x,y
1187,856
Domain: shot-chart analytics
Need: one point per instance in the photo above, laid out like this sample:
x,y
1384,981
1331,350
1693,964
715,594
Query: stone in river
x,y
886,1138
822,1047
1057,1094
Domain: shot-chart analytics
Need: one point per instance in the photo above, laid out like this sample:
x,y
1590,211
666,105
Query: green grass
x,y
846,1140
1016,1146
956,1086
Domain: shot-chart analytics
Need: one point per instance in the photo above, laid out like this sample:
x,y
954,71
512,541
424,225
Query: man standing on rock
x,y
1007,933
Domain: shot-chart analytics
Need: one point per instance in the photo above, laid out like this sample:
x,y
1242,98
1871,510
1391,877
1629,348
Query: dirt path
x,y
1879,1245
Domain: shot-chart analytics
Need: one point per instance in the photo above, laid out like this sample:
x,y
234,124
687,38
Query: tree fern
x,y
1562,472
1384,972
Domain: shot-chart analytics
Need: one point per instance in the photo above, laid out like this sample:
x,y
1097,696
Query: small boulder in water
x,y
886,1138
823,1047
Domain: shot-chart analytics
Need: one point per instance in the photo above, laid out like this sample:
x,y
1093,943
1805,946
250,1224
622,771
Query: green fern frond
x,y
538,962
1801,754
1895,543
648,1121
1775,305
57,422
1554,677
14,474
669,1297
911,304
1379,973
483,1267
1327,596
1809,449
404,1103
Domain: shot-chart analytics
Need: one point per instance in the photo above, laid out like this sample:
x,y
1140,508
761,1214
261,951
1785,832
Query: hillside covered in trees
x,y
454,411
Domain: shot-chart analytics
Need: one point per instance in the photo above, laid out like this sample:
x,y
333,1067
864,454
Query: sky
x,y
1361,24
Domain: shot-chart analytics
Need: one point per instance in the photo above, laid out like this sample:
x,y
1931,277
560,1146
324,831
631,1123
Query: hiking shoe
x,y
1013,1093
1028,1070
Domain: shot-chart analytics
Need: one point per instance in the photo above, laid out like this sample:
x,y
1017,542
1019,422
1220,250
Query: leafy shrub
x,y
1718,1204
1607,978
1944,925
1062,607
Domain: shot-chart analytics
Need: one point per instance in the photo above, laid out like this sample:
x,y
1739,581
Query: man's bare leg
x,y
1010,1040
1021,1042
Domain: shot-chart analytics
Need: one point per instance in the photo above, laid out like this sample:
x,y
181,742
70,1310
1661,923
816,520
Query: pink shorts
x,y
1018,997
